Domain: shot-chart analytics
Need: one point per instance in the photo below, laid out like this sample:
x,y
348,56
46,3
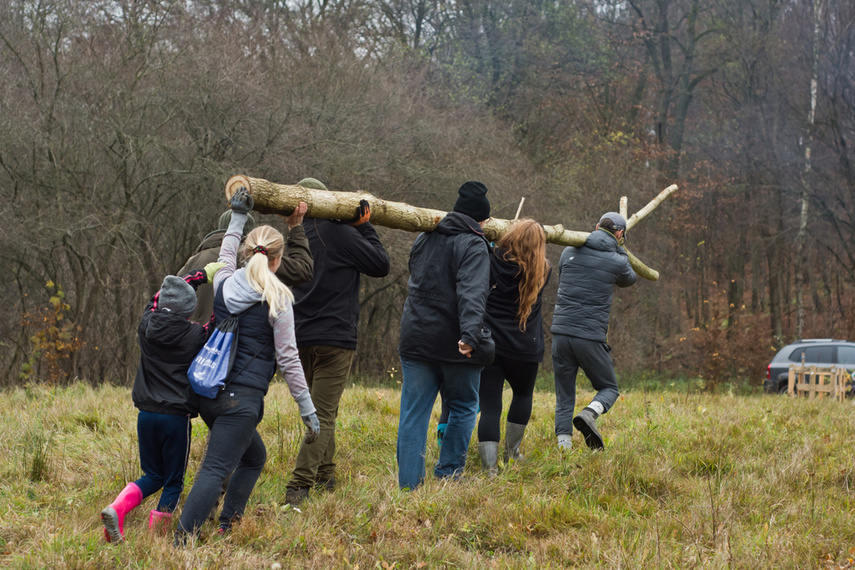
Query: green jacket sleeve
x,y
297,264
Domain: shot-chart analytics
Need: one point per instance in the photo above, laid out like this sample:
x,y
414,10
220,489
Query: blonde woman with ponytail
x,y
263,305
261,269
518,273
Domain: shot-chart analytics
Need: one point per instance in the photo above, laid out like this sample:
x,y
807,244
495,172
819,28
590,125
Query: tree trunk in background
x,y
676,74
801,237
777,270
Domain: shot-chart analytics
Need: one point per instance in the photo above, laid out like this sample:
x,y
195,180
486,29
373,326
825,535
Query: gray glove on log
x,y
242,202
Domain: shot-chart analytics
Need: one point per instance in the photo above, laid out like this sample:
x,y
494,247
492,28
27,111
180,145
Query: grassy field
x,y
687,480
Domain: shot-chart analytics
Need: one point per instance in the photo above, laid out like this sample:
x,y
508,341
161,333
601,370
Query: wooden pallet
x,y
818,382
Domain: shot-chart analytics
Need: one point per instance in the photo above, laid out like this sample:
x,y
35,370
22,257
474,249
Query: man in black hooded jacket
x,y
443,340
326,317
586,279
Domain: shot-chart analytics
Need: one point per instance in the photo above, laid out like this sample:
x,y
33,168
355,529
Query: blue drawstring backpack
x,y
210,369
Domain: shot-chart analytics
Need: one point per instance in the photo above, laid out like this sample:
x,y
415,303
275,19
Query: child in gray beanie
x,y
168,344
177,296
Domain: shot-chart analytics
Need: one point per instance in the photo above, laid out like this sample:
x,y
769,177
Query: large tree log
x,y
272,198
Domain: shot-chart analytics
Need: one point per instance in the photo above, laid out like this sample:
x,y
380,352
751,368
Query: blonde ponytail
x,y
263,244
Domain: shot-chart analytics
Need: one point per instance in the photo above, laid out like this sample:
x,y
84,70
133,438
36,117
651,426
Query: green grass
x,y
687,480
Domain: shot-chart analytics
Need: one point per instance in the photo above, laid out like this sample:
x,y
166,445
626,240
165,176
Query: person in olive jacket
x,y
326,314
168,344
296,268
443,341
580,324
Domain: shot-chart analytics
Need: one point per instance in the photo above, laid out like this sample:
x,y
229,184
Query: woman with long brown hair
x,y
518,273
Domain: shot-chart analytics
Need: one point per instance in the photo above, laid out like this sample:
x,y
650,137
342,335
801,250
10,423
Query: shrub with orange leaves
x,y
54,342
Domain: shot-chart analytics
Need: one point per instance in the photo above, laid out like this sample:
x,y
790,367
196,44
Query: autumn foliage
x,y
121,122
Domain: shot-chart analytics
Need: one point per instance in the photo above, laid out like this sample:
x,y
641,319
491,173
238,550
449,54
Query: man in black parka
x,y
587,276
326,317
443,340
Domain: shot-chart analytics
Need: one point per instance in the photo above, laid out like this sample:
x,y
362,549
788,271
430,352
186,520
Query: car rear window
x,y
846,354
813,354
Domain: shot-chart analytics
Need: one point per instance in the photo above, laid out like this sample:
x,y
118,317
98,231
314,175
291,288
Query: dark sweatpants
x,y
164,441
569,353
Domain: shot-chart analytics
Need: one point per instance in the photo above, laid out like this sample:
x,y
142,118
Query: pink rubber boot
x,y
159,522
113,516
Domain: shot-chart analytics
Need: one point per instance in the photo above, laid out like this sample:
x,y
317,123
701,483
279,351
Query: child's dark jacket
x,y
168,345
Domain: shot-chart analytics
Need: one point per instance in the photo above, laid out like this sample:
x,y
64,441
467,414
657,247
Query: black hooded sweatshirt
x,y
446,295
502,306
326,310
168,344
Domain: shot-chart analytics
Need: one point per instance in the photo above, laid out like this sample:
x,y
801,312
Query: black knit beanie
x,y
472,201
177,296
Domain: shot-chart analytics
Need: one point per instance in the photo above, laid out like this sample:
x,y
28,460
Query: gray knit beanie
x,y
226,219
177,296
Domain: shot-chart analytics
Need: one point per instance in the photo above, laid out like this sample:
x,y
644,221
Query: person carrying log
x,y
443,339
586,278
263,305
326,313
296,264
296,267
518,273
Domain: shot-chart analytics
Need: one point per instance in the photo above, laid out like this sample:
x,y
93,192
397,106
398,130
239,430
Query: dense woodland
x,y
121,120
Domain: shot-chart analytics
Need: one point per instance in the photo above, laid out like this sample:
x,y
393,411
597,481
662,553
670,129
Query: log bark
x,y
272,198
639,215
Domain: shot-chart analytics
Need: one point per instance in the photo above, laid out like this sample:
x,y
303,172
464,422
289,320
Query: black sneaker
x,y
325,485
586,424
296,495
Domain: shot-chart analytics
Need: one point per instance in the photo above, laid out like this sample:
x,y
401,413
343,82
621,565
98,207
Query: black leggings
x,y
521,376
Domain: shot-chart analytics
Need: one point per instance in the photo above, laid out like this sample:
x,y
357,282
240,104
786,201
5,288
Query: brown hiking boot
x,y
296,495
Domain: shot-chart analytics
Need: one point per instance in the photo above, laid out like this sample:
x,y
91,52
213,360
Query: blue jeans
x,y
164,442
422,381
569,354
234,449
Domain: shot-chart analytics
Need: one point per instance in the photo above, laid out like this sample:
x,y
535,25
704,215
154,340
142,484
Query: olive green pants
x,y
326,369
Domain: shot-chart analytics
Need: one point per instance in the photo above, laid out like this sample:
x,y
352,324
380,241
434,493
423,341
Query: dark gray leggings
x,y
234,448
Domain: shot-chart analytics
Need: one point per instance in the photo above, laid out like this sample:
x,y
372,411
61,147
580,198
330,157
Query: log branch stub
x,y
639,215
